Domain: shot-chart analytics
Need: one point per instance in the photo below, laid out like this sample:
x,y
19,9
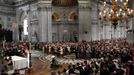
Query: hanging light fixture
x,y
116,12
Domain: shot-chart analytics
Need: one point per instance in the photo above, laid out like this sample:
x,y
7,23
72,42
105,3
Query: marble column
x,y
5,22
45,22
17,24
15,31
130,35
84,21
49,25
130,38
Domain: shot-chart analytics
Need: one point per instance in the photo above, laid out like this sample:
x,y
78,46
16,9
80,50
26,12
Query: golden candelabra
x,y
116,12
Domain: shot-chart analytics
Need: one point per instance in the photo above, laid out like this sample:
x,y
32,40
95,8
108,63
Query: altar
x,y
20,62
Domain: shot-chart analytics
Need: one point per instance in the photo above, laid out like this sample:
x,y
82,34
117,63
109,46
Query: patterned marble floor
x,y
41,66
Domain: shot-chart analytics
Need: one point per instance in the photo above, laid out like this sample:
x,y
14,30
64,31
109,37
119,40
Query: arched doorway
x,y
55,29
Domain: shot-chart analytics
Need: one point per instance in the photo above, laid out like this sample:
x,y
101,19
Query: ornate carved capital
x,y
84,4
44,5
84,7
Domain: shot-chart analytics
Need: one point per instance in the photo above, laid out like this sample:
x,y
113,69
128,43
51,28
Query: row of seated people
x,y
81,49
98,67
84,50
88,50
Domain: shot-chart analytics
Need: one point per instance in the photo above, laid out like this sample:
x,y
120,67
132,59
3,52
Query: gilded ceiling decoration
x,y
64,3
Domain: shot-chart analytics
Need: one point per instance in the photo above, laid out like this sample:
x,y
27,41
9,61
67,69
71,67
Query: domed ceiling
x,y
57,2
10,2
64,3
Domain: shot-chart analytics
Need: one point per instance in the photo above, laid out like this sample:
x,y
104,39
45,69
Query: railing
x,y
65,23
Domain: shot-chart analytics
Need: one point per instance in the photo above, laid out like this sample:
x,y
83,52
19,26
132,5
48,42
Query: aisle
x,y
35,53
40,66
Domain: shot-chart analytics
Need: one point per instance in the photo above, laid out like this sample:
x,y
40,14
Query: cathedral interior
x,y
66,37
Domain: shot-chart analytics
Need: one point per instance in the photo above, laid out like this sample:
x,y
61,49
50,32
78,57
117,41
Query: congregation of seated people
x,y
107,57
87,50
98,67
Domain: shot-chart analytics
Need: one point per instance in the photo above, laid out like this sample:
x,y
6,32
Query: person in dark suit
x,y
16,72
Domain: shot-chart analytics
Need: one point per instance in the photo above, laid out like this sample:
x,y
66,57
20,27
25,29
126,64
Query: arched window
x,y
72,16
55,17
25,26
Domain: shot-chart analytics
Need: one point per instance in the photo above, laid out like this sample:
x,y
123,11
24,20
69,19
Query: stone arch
x,y
20,14
23,16
73,16
55,16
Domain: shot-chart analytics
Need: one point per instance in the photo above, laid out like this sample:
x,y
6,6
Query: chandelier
x,y
116,12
